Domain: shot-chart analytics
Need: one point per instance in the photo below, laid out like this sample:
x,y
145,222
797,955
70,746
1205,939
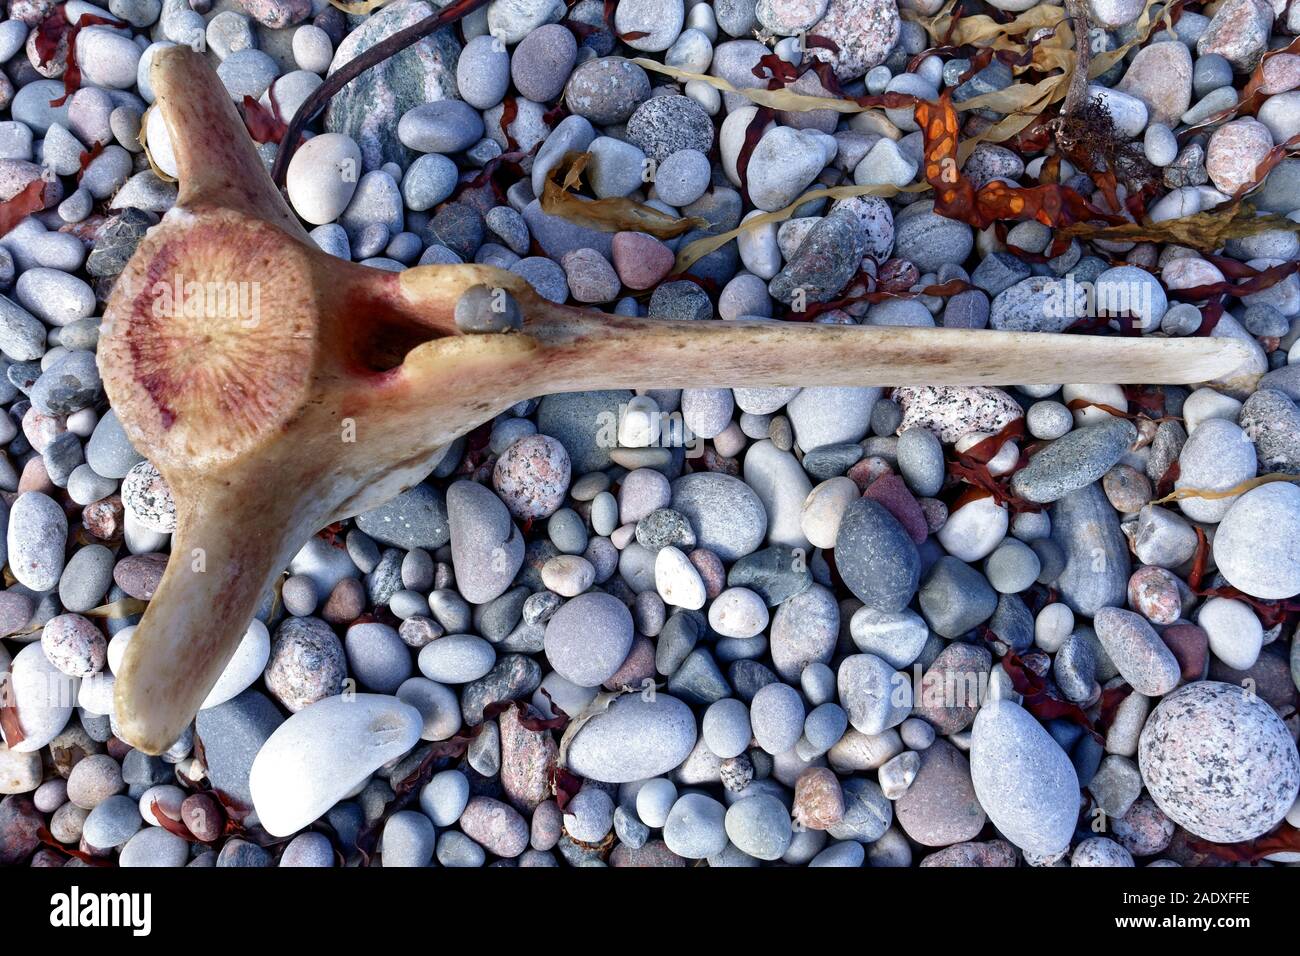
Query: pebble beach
x,y
1028,625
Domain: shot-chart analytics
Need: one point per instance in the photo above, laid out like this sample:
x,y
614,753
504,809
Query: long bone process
x,y
348,383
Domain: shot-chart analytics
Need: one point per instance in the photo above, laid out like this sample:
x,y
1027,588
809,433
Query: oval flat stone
x,y
456,659
320,754
804,629
1137,651
1078,458
1024,780
727,516
781,485
760,826
876,557
940,807
1086,528
633,739
38,530
875,695
487,549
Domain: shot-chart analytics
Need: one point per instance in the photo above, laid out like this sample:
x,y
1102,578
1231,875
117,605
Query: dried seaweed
x,y
1038,699
690,254
1086,135
54,29
29,199
49,34
10,723
971,466
488,177
1254,280
1211,493
264,125
614,214
1284,838
784,99
1111,698
957,198
1204,231
1023,104
1166,482
509,111
565,784
942,290
174,827
47,839
1078,404
87,157
753,133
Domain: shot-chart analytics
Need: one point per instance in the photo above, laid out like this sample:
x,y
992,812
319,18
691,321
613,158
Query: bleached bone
x,y
249,415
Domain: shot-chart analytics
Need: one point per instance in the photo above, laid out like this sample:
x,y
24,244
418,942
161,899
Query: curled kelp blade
x,y
613,214
697,250
1205,231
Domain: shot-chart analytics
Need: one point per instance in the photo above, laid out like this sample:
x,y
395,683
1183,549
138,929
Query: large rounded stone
x,y
1219,762
633,739
322,753
726,515
1257,546
1024,780
588,638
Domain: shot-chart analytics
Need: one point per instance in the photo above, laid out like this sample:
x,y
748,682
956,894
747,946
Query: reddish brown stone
x,y
1191,646
992,853
891,491
949,693
637,668
869,470
495,826
138,574
940,807
345,603
1144,830
36,478
654,853
203,816
641,260
1153,593
818,799
103,518
19,823
711,571
527,757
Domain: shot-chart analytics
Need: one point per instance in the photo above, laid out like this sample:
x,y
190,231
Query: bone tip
x,y
1228,356
135,727
168,57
